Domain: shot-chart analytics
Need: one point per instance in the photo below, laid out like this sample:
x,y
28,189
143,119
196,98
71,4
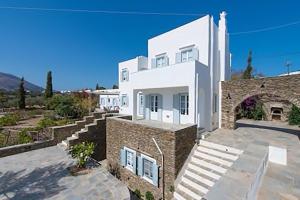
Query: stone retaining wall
x,y
175,145
59,133
236,91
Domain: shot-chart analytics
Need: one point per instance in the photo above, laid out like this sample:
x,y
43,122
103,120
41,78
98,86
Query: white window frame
x,y
162,60
129,167
124,100
189,55
186,104
154,103
143,156
124,75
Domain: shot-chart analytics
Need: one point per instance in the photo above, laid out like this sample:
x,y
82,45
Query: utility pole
x,y
288,64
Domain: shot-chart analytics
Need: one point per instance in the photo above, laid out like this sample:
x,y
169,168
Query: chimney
x,y
222,21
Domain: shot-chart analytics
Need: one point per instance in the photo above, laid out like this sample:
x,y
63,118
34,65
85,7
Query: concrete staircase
x,y
208,162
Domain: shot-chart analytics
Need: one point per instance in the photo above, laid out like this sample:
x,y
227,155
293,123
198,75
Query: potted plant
x,y
81,152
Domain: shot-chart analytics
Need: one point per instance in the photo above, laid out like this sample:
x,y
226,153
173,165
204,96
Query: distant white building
x,y
291,73
108,99
179,80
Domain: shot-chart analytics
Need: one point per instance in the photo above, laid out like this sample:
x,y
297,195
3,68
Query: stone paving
x,y
43,174
279,182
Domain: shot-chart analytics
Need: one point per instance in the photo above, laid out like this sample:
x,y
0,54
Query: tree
x,y
3,98
97,87
49,88
115,87
294,116
21,95
248,71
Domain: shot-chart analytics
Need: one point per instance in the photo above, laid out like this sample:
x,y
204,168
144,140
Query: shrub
x,y
23,137
258,113
149,196
82,152
66,106
46,122
114,169
9,120
138,193
294,116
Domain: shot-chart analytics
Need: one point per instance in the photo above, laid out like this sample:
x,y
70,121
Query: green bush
x,y
258,113
9,120
50,122
138,193
82,152
46,122
67,106
149,196
23,137
294,116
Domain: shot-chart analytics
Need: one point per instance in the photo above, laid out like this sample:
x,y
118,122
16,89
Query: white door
x,y
154,107
184,108
141,104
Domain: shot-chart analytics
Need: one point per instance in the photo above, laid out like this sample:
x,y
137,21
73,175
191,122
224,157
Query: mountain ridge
x,y
10,82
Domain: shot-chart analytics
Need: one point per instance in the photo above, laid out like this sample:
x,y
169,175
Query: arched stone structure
x,y
236,91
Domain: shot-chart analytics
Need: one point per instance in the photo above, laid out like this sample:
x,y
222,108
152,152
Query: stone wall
x,y
175,145
59,133
236,91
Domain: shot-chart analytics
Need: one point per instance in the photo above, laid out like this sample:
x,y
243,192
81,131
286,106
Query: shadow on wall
x,y
38,184
285,130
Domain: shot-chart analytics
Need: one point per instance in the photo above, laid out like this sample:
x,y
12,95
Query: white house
x,y
179,81
108,99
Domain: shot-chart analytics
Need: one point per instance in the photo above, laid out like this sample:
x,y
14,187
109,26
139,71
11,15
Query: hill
x,y
9,82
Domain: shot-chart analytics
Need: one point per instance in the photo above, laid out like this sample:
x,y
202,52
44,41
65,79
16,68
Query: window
x,y
148,168
124,75
115,102
108,100
215,103
130,159
124,100
153,103
184,104
161,61
102,101
187,55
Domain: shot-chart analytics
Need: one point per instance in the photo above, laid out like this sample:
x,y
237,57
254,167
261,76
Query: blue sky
x,y
84,48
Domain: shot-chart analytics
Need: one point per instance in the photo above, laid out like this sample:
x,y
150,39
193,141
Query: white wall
x,y
194,33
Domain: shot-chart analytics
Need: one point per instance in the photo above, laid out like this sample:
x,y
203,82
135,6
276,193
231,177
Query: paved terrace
x,y
43,174
279,182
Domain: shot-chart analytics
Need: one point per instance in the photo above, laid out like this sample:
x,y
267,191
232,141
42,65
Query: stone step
x,y
189,192
213,158
199,178
209,165
217,153
178,196
194,185
203,171
220,147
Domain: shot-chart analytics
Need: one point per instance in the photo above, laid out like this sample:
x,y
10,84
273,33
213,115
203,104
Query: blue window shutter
x,y
178,57
127,100
153,63
160,108
140,166
147,107
195,54
122,157
155,175
176,116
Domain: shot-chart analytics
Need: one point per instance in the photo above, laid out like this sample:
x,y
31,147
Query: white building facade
x,y
108,99
179,81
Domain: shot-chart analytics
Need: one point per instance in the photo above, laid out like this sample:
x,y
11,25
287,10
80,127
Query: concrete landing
x,y
278,182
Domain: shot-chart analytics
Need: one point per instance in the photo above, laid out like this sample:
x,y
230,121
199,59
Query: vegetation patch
x,y
294,116
9,120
